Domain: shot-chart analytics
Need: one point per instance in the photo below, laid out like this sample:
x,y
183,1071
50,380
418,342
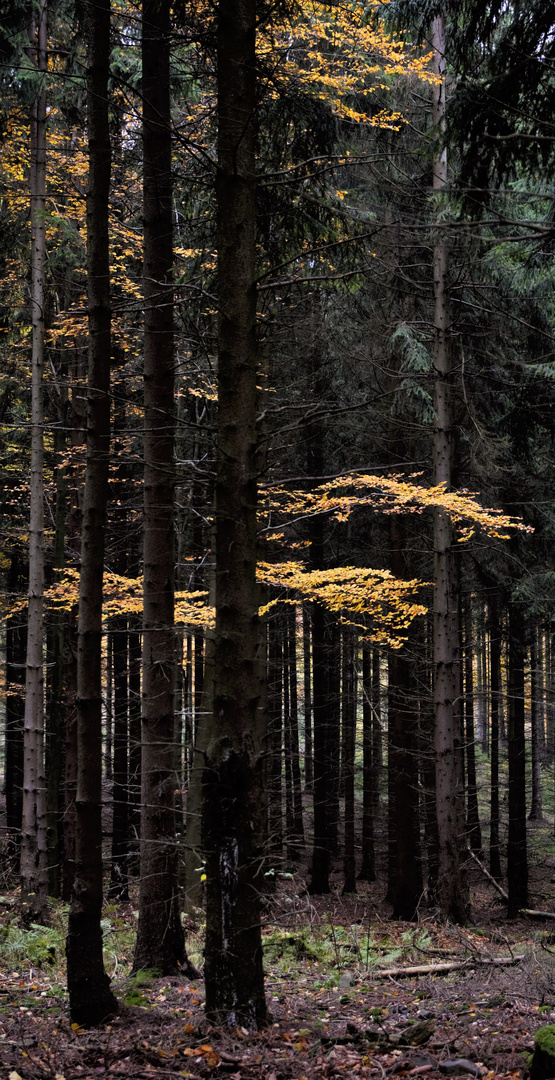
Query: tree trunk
x,y
349,696
407,884
495,668
452,887
90,997
297,832
16,650
368,867
472,816
118,888
307,670
234,804
33,830
160,940
536,732
517,861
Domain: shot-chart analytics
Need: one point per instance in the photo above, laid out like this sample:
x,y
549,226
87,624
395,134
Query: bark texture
x,y
233,780
452,888
160,939
33,833
90,997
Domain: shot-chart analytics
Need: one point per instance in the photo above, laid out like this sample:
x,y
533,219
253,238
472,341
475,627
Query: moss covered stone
x,y
543,1060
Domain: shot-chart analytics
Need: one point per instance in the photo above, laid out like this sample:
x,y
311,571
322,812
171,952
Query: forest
x,y
277,389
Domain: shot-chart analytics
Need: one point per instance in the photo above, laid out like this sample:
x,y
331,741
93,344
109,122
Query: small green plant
x,y
40,946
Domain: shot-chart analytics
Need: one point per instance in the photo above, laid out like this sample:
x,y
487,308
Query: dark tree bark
x,y
495,668
16,648
517,860
473,829
296,834
118,888
322,650
33,870
160,939
536,729
407,885
274,745
368,867
90,997
452,886
234,801
349,696
307,671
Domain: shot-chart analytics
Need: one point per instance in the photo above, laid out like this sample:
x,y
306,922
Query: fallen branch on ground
x,y
532,914
487,874
440,969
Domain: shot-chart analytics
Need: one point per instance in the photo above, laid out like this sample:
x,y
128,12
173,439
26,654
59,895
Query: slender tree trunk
x,y
495,667
274,745
118,888
160,939
307,669
234,804
472,817
536,723
407,885
377,740
90,997
517,860
298,826
368,867
322,650
349,694
16,650
452,886
33,831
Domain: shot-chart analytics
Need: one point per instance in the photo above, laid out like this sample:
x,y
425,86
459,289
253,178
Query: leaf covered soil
x,y
332,1013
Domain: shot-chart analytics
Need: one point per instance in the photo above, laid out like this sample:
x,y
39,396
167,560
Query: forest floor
x,y
334,1013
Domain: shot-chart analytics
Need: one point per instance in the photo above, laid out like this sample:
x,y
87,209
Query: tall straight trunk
x,y
274,746
321,659
307,672
70,760
368,868
287,744
377,740
16,650
134,772
406,885
90,997
472,815
349,695
481,694
234,804
119,873
517,859
33,830
536,734
452,887
495,667
297,836
56,706
160,940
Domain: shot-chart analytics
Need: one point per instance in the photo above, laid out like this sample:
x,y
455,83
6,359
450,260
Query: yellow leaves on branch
x,y
353,593
350,592
393,495
338,54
